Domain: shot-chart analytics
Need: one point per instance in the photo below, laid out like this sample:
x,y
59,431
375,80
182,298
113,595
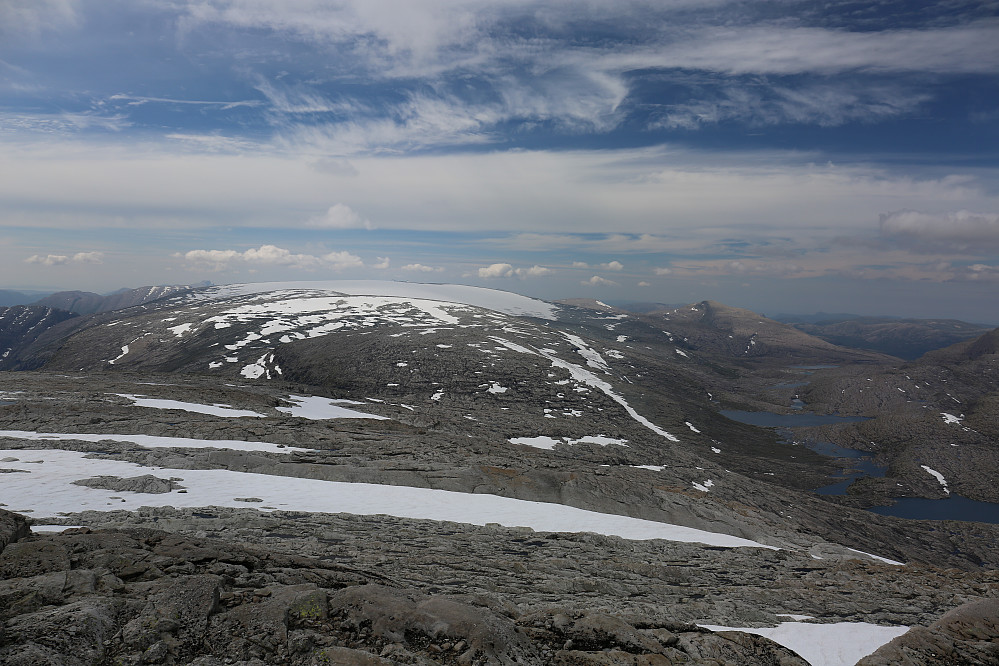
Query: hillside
x,y
21,325
85,302
372,472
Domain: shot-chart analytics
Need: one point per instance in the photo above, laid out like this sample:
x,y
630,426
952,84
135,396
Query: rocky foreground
x,y
138,595
143,596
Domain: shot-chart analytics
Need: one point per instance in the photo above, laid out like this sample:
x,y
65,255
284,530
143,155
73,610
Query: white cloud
x,y
597,281
420,268
962,229
89,257
496,271
47,260
340,216
612,266
382,264
534,271
273,256
643,283
661,270
507,270
339,261
981,273
62,259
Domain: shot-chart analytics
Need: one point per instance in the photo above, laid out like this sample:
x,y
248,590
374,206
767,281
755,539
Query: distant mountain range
x,y
905,338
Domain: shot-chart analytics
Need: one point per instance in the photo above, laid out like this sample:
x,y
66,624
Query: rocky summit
x,y
358,472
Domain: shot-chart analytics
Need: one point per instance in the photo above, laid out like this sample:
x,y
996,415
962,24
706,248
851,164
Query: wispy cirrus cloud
x,y
20,19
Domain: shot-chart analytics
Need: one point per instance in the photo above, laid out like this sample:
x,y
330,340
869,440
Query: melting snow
x,y
585,376
124,350
214,410
496,388
544,442
705,487
691,426
180,330
48,490
950,418
939,477
540,442
319,409
152,441
836,644
593,358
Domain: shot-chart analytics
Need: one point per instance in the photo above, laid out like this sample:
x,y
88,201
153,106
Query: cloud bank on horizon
x,y
794,155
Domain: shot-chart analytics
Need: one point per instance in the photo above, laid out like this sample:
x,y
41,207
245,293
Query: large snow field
x,y
47,490
836,644
491,299
153,441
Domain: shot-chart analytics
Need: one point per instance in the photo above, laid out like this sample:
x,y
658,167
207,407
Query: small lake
x,y
954,507
861,465
7,402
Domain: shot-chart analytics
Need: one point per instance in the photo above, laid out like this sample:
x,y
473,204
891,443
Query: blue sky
x,y
783,156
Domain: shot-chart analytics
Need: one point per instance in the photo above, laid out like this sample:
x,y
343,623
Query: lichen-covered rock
x,y
31,557
413,619
968,634
147,483
13,527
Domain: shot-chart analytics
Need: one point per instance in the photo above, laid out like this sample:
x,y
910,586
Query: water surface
x,y
954,507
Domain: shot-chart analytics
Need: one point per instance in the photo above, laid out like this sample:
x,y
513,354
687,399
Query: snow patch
x,y
214,410
152,441
180,329
317,408
49,490
939,477
833,644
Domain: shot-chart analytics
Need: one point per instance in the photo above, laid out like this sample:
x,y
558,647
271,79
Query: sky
x,y
786,156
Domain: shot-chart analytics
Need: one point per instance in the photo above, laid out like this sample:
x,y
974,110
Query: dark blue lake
x,y
954,507
861,465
